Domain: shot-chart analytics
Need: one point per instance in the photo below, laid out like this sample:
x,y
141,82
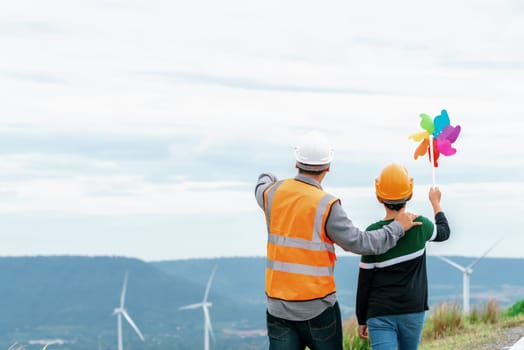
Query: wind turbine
x,y
121,311
208,329
467,271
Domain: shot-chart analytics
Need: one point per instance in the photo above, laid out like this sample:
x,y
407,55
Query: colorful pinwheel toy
x,y
437,137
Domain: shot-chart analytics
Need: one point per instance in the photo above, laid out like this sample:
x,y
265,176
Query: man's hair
x,y
310,172
395,207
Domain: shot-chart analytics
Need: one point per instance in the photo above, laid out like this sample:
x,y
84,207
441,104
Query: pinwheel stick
x,y
432,154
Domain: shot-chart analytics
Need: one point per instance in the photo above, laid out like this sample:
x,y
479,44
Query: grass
x,y
472,336
446,328
351,339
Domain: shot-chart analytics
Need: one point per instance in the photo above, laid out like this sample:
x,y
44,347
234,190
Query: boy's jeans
x,y
388,332
323,332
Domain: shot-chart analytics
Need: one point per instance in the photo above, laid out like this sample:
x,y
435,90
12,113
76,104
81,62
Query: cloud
x,y
30,28
135,109
123,195
242,83
34,77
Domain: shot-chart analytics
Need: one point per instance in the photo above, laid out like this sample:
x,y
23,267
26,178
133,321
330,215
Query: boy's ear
x,y
380,200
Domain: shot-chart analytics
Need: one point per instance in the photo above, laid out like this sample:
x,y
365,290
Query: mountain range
x,y
68,301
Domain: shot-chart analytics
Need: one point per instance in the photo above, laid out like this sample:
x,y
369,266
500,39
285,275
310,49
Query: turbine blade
x,y
452,263
208,325
191,306
483,255
123,295
209,283
130,321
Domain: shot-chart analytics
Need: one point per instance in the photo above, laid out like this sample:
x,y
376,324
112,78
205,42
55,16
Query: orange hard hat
x,y
394,184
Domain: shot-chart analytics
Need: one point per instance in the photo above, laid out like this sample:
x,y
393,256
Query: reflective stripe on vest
x,y
298,268
268,199
300,256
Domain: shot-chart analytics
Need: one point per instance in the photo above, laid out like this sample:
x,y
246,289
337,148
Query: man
x,y
304,223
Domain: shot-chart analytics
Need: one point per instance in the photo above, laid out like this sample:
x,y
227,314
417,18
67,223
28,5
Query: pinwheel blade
x,y
426,123
440,122
436,154
421,149
450,133
419,136
444,147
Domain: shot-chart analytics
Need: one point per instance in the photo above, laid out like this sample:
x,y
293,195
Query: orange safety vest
x,y
300,256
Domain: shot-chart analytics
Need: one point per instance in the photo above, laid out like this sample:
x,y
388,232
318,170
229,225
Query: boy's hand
x,y
434,198
434,194
363,331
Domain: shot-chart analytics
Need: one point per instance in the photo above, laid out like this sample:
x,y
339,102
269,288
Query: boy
x,y
392,294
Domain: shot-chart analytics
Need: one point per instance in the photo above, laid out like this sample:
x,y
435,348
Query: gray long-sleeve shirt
x,y
340,230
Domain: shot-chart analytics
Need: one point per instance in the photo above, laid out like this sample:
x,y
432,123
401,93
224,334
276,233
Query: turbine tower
x,y
121,311
467,271
205,305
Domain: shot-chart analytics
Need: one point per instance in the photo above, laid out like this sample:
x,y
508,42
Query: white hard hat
x,y
313,152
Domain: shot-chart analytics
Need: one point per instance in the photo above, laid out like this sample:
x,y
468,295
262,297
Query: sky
x,y
139,128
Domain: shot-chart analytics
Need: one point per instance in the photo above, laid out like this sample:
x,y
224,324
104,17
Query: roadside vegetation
x,y
446,328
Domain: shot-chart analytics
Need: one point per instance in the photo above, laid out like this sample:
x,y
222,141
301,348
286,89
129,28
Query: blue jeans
x,y
323,332
388,332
